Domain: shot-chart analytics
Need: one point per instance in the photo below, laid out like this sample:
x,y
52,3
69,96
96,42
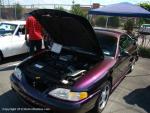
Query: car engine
x,y
51,70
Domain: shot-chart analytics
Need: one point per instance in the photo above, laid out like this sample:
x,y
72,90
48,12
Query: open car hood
x,y
68,29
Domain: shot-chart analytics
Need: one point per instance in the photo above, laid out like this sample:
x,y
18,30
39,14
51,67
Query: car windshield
x,y
7,29
108,44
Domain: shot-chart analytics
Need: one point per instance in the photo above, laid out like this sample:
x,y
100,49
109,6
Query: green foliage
x,y
145,5
113,22
60,8
129,24
77,10
19,10
141,21
144,52
100,21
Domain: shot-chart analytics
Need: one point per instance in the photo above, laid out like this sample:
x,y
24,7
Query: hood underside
x,y
69,29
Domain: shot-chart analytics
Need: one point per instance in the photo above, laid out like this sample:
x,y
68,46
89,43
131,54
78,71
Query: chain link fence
x,y
15,12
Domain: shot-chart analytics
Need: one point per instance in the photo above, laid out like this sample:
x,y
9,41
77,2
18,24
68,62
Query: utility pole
x,y
73,2
0,8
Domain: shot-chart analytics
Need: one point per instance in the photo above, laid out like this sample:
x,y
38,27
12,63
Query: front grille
x,y
37,84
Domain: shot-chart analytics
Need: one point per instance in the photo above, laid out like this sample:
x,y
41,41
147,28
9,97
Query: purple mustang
x,y
80,69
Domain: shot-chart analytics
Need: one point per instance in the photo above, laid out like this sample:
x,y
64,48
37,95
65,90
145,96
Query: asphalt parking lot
x,y
131,96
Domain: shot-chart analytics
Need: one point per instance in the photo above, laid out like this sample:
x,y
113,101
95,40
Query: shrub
x,y
129,25
113,22
60,8
144,52
100,21
75,9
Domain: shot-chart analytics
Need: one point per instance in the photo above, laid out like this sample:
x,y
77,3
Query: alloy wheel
x,y
104,97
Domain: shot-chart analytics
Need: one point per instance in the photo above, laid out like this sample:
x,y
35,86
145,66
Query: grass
x,y
144,52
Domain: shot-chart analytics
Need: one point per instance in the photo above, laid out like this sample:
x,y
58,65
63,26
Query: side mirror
x,y
124,53
19,32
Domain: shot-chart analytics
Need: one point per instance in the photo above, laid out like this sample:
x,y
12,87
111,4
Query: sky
x,y
82,2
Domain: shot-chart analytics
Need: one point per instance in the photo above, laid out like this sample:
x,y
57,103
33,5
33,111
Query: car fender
x,y
97,75
5,45
3,49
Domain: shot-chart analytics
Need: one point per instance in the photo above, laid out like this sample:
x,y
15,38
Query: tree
x,y
77,10
145,5
18,11
60,8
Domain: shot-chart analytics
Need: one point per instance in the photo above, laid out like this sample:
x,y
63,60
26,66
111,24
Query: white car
x,y
145,25
12,38
145,29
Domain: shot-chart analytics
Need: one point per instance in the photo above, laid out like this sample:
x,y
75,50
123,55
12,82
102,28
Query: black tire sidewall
x,y
131,67
1,56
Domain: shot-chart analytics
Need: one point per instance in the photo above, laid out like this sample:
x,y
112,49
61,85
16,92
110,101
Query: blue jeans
x,y
35,46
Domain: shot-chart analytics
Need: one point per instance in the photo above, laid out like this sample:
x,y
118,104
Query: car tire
x,y
136,58
103,97
1,57
131,66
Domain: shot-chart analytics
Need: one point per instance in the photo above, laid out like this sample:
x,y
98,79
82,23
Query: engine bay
x,y
51,70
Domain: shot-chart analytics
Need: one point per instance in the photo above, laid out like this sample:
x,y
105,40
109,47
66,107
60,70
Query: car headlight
x,y
66,94
18,73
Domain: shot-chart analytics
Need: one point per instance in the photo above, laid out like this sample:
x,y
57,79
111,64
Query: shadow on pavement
x,y
8,68
11,103
14,58
140,97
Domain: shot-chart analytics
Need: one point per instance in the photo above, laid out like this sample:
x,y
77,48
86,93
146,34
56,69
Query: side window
x,y
125,42
21,30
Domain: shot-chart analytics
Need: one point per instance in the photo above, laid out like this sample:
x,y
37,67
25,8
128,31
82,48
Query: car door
x,y
123,58
133,49
125,49
18,42
6,35
5,45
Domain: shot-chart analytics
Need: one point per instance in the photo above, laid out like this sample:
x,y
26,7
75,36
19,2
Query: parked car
x,y
12,39
145,29
80,70
145,25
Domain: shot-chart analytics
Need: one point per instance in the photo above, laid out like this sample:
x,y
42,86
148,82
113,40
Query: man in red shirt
x,y
34,29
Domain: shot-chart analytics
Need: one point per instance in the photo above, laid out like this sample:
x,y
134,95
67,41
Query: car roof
x,y
17,22
111,32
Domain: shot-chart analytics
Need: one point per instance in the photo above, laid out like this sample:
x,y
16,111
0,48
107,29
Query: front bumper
x,y
33,98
